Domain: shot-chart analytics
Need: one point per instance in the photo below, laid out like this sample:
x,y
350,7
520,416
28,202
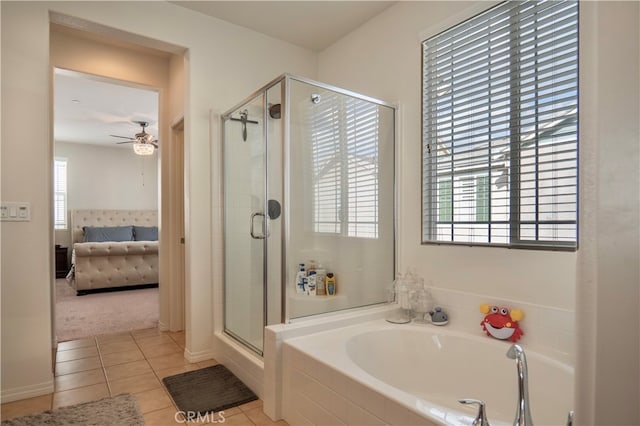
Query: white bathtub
x,y
381,373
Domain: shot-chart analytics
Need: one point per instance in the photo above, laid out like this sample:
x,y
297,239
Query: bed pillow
x,y
145,233
100,234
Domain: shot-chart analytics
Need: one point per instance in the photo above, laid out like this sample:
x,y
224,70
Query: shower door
x,y
245,224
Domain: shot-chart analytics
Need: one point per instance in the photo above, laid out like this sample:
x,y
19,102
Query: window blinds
x,y
344,151
60,193
500,125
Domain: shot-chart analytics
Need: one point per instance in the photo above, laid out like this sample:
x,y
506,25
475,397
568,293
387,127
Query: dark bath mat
x,y
210,389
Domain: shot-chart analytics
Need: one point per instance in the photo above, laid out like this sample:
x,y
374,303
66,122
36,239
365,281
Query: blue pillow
x,y
145,233
100,234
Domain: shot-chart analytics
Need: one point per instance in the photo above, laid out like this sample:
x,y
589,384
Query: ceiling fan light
x,y
143,148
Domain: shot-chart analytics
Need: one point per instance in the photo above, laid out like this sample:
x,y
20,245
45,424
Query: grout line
x,y
104,369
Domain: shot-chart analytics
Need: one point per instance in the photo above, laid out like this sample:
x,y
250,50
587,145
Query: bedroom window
x,y
500,128
60,193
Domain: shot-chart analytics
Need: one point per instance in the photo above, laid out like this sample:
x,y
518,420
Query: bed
x,y
113,249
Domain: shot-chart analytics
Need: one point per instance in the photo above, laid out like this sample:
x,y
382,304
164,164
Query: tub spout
x,y
481,417
523,412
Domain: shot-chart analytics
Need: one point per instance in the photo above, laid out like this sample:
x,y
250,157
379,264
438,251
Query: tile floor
x,y
133,362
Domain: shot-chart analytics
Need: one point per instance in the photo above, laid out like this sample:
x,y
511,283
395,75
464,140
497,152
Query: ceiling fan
x,y
143,142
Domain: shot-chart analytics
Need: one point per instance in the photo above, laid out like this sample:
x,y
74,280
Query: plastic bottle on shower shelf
x,y
312,283
321,276
311,266
331,284
301,277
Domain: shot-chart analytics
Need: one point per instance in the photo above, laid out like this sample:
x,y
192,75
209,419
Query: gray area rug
x,y
207,390
118,410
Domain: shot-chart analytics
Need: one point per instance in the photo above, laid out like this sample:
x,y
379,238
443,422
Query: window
x,y
344,159
500,128
60,193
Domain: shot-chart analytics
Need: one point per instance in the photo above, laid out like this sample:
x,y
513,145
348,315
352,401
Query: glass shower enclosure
x,y
309,184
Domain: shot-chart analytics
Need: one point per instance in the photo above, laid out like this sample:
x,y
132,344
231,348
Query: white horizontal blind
x,y
60,193
344,135
326,163
500,125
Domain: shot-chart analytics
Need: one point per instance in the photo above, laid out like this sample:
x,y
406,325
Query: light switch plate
x,y
15,211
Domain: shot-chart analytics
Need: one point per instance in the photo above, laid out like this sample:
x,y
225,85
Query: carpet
x,y
102,313
112,411
207,390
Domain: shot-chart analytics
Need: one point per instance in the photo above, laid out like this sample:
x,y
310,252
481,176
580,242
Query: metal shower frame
x,y
286,80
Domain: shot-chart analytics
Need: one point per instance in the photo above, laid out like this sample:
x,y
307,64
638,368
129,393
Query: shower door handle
x,y
251,227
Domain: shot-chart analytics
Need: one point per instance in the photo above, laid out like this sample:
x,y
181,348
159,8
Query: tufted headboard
x,y
81,218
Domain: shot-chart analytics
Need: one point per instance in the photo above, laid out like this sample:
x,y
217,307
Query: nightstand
x,y
61,262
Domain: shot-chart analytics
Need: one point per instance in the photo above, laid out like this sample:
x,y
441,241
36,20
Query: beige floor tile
x,y
251,405
25,407
79,395
207,363
152,400
179,338
75,344
129,369
146,332
161,349
121,357
145,341
115,337
76,366
117,346
232,411
237,420
139,383
258,417
78,380
73,354
175,334
172,371
166,416
168,361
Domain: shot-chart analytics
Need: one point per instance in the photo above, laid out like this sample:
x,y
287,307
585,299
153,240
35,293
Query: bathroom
x,y
561,293
549,286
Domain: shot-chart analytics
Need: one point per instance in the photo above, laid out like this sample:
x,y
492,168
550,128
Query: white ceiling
x,y
313,25
89,109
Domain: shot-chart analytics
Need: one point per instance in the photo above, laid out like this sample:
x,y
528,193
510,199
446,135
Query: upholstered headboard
x,y
81,218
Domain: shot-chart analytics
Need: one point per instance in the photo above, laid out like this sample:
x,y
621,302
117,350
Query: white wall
x,y
608,293
382,58
224,64
26,175
101,177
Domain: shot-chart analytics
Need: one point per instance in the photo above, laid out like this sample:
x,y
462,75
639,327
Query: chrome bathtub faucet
x,y
523,412
481,417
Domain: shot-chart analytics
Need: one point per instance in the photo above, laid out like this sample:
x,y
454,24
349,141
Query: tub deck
x,y
382,373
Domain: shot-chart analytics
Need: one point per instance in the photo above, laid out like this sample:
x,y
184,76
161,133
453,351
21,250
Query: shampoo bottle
x,y
331,284
300,280
321,276
312,283
311,266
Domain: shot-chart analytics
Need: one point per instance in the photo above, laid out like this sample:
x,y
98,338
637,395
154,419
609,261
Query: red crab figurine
x,y
501,323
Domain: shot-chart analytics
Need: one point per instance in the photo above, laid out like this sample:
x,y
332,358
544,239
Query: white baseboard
x,y
23,392
198,356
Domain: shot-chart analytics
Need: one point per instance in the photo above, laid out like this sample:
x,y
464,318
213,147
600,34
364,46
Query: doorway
x,y
106,185
140,66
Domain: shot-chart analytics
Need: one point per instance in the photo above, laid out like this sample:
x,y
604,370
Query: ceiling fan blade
x,y
123,137
119,143
155,143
